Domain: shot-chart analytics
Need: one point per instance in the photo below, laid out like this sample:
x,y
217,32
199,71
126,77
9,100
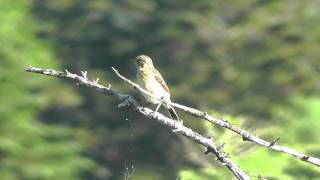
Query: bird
x,y
150,79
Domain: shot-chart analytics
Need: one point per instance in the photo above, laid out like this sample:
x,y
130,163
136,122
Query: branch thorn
x,y
305,158
274,141
96,81
220,148
67,72
211,137
84,74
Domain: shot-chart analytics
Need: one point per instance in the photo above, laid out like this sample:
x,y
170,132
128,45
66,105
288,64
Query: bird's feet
x,y
158,107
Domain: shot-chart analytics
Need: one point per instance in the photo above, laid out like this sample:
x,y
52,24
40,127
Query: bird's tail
x,y
173,113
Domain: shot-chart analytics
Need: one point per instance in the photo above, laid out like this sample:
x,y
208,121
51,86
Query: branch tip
x,y
114,69
29,68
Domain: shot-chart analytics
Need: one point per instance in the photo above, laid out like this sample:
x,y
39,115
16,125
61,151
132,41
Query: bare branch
x,y
127,100
246,136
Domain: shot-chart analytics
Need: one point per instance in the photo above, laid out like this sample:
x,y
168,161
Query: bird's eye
x,y
140,62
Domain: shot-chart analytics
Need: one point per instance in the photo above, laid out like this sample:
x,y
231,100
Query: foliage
x,y
254,60
30,149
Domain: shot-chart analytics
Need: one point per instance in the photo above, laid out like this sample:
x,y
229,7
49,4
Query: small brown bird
x,y
149,78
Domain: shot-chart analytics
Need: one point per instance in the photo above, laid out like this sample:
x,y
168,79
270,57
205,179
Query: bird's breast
x,y
149,83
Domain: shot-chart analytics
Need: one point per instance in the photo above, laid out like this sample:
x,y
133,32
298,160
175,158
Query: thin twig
x,y
246,136
126,100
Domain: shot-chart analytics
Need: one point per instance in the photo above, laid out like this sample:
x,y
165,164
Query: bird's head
x,y
142,61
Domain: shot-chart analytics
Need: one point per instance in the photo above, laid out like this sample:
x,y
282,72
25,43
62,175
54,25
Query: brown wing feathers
x,y
159,78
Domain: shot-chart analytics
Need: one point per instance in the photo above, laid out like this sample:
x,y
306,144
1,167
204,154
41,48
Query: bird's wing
x,y
159,78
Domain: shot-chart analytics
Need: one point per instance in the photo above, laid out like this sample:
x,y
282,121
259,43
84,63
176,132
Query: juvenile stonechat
x,y
149,78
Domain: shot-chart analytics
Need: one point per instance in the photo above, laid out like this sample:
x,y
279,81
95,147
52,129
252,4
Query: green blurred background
x,y
253,62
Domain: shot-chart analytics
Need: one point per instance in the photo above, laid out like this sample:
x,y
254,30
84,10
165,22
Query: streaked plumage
x,y
151,80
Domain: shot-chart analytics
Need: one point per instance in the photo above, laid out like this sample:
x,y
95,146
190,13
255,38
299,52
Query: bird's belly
x,y
155,88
